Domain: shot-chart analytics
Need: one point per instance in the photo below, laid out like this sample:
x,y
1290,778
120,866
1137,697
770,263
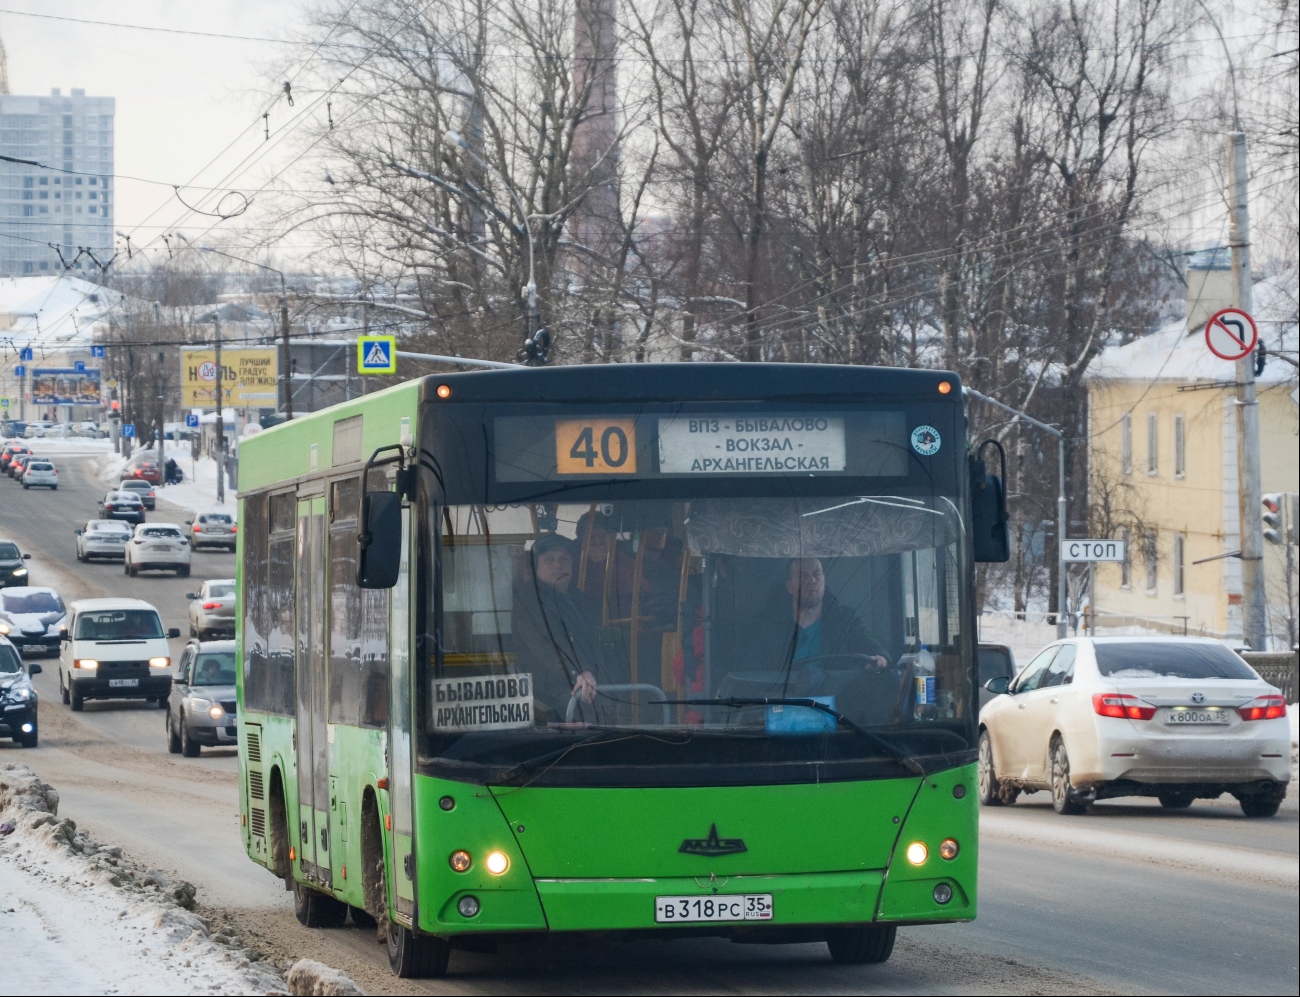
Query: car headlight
x,y
20,572
201,706
4,629
160,662
19,695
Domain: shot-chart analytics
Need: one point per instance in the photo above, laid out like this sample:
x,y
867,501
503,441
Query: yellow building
x,y
1163,472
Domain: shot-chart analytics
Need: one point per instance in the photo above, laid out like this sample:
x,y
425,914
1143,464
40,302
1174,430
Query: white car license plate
x,y
123,683
1208,715
727,907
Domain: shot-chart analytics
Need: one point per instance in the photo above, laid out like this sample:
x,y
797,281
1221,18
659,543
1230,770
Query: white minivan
x,y
115,649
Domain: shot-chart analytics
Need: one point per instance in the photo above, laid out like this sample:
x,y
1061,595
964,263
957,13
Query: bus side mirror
x,y
988,505
379,540
999,685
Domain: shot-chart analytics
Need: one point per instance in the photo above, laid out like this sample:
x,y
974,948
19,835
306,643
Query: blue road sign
x,y
128,429
192,421
79,366
20,371
4,402
97,352
376,354
26,354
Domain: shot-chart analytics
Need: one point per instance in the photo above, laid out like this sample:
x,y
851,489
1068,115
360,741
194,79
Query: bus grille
x,y
256,789
257,822
254,742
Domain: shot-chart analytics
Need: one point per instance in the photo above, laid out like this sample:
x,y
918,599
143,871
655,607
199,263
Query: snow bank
x,y
88,919
197,493
315,979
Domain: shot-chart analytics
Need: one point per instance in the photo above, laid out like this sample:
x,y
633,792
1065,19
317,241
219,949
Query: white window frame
x,y
1153,443
1180,445
1179,565
1126,443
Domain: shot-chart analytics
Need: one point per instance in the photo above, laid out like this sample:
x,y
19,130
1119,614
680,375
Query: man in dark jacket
x,y
551,633
816,625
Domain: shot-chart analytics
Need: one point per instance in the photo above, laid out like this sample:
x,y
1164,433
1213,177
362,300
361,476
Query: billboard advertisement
x,y
248,377
65,386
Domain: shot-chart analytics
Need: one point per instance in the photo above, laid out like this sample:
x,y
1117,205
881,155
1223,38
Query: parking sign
x,y
20,371
26,354
377,354
97,352
192,421
128,429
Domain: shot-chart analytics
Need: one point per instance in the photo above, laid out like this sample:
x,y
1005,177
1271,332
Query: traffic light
x,y
1273,517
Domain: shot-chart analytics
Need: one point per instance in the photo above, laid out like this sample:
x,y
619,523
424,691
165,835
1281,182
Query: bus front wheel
x,y
862,944
316,910
413,956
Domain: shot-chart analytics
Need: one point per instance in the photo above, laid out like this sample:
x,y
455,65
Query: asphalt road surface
x,y
1129,899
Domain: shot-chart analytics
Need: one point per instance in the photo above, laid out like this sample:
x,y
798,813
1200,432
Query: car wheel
x,y
1260,805
1175,799
26,486
78,702
81,557
189,747
173,738
413,956
863,944
1064,798
63,689
990,790
183,571
316,910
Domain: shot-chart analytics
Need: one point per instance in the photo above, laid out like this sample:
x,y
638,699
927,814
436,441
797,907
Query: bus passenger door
x,y
400,786
313,751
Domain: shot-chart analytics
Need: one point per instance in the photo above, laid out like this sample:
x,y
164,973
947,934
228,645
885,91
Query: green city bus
x,y
645,650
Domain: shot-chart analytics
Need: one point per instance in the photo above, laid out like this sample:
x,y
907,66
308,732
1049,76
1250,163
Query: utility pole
x,y
221,418
1249,495
286,364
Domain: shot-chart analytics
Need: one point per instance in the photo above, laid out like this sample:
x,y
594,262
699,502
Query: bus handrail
x,y
623,687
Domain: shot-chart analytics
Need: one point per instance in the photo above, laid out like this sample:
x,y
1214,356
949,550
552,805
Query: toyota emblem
x,y
1198,698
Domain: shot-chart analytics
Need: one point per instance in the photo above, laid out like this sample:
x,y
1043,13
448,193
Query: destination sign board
x,y
751,444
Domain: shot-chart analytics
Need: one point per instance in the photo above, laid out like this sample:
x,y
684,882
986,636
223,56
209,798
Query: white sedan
x,y
1177,718
103,538
41,473
158,547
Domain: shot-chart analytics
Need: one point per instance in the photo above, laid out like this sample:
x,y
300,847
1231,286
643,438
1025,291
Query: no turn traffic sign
x,y
1231,334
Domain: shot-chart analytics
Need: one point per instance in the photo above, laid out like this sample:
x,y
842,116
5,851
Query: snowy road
x,y
1128,899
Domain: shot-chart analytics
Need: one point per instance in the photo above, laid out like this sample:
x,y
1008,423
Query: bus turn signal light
x,y
945,387
948,848
444,391
460,860
1263,708
1121,705
917,853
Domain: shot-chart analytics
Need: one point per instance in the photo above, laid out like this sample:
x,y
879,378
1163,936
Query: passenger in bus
x,y
822,626
552,636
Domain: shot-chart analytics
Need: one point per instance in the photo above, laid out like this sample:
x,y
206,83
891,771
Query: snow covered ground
x,y
197,493
79,918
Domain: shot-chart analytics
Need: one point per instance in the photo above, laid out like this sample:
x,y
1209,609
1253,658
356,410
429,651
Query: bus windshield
x,y
716,634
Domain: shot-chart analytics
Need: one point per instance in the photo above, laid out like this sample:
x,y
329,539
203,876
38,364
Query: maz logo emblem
x,y
712,845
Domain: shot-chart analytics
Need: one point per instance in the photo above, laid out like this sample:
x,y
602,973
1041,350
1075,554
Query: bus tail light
x,y
1263,708
1121,705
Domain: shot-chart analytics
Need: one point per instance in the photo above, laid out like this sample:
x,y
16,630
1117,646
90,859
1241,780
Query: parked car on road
x,y
102,538
157,547
213,529
31,617
121,505
115,649
212,608
1177,718
12,569
142,489
201,707
18,699
41,473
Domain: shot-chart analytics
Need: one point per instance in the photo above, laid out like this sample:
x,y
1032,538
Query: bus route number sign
x,y
595,446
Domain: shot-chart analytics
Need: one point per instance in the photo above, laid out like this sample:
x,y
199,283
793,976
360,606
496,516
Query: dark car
x,y
995,661
8,453
121,505
18,465
140,488
18,700
12,569
201,707
29,618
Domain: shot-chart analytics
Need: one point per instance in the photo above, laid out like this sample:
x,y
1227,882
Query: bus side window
x,y
358,641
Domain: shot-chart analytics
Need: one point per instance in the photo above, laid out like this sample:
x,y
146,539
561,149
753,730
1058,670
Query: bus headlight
x,y
942,893
948,848
917,853
460,860
497,863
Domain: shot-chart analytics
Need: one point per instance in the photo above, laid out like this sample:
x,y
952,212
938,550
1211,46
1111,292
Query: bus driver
x,y
822,625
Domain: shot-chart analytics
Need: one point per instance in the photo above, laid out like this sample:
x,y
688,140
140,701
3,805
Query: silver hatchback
x,y
201,709
212,608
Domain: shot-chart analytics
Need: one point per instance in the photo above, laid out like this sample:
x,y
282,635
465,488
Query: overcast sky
x,y
188,107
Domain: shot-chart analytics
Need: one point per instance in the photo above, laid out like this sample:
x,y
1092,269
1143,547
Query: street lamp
x,y
285,362
214,317
538,343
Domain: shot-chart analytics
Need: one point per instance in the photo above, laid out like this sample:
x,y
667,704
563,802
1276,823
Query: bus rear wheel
x,y
863,944
316,910
413,956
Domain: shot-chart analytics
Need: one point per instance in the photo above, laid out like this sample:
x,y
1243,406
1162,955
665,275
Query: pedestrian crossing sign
x,y
376,355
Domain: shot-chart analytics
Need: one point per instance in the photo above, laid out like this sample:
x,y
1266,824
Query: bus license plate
x,y
123,683
729,907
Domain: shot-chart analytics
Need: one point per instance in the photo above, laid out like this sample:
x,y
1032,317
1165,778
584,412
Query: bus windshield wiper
x,y
892,750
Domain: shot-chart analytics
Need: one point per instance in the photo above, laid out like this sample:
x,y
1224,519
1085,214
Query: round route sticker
x,y
925,440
